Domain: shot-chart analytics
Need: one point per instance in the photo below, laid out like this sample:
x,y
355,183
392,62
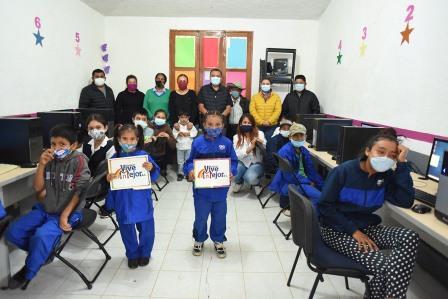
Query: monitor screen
x,y
436,160
366,125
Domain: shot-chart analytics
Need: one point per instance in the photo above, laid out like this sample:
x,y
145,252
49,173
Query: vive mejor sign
x,y
211,173
131,174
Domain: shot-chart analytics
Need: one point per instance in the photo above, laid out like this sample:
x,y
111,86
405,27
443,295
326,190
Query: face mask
x,y
246,128
159,121
62,153
381,164
99,81
132,86
299,87
215,80
235,94
266,88
140,123
213,132
182,85
127,148
297,144
96,134
159,84
284,133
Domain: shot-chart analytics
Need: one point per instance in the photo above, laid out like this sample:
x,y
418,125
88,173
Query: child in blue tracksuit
x,y
299,157
211,201
61,178
134,207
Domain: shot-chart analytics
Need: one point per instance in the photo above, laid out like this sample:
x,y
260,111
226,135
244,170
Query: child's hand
x,y
148,166
190,126
46,157
176,126
63,223
163,134
111,176
191,176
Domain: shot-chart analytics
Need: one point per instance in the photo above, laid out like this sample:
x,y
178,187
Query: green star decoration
x,y
339,58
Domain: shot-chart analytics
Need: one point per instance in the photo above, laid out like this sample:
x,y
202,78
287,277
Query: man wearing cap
x,y
240,106
301,100
299,157
278,140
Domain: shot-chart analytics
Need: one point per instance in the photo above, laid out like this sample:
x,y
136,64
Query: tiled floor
x,y
257,265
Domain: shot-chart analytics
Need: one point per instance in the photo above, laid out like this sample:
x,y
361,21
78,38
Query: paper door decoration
x,y
185,51
236,53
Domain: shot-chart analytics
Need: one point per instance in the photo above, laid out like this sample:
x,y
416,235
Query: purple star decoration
x,y
105,57
106,69
104,47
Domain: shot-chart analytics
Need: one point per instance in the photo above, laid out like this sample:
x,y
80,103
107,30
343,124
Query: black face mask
x,y
159,84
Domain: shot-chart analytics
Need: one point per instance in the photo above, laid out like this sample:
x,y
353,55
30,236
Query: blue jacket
x,y
282,179
350,196
273,145
133,206
203,148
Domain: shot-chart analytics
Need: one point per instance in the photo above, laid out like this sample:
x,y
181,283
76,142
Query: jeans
x,y
251,176
182,156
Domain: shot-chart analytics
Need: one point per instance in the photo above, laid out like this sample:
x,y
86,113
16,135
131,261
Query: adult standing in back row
x,y
157,98
300,101
97,94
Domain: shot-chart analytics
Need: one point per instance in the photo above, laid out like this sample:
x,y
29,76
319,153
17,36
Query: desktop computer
x,y
441,207
307,121
434,169
326,132
53,118
352,141
21,140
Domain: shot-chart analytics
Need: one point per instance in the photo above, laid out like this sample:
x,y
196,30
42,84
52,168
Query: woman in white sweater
x,y
249,143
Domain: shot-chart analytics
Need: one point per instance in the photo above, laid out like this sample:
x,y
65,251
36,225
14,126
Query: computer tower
x,y
21,140
441,207
352,140
307,121
326,132
53,118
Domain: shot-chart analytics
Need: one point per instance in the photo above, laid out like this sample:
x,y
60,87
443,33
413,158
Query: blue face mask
x,y
235,94
266,88
213,132
299,87
381,164
159,121
215,80
127,148
62,153
297,144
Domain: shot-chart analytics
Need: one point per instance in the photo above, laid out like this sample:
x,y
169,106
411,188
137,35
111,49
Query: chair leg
x,y
155,194
116,229
286,235
70,265
263,204
346,283
316,281
367,292
294,267
164,184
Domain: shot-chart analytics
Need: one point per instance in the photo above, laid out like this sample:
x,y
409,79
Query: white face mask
x,y
141,123
99,81
284,133
382,164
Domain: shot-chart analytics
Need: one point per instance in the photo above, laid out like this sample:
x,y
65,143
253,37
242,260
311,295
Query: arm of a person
x,y
84,100
201,105
188,165
193,132
229,104
227,111
175,133
400,191
277,111
155,171
315,106
241,151
70,207
171,140
253,111
285,106
261,136
327,203
118,108
39,179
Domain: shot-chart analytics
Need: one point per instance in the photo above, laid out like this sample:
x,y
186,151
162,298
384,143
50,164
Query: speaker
x,y
441,208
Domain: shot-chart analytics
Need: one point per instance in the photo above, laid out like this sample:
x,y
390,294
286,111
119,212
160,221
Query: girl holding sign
x,y
211,145
133,207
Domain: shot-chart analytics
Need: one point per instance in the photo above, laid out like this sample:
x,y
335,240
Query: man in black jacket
x,y
98,94
240,106
300,101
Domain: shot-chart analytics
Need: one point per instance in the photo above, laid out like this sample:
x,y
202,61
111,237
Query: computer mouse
x,y
421,209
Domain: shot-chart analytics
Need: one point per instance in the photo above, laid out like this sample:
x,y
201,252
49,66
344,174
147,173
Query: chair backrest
x,y
95,187
283,164
101,168
304,224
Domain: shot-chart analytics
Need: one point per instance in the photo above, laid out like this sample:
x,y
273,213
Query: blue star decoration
x,y
339,58
39,38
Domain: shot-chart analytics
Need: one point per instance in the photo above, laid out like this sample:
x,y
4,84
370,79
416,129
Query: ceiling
x,y
251,9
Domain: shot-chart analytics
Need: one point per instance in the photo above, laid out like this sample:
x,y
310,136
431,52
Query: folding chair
x,y
263,204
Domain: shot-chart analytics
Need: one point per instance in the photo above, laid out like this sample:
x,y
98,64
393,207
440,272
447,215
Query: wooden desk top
x,y
15,175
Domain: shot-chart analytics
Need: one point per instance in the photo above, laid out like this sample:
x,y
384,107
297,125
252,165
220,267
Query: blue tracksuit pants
x,y
38,233
211,204
141,246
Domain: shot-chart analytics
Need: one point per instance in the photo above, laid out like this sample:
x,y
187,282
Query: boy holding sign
x,y
133,205
213,154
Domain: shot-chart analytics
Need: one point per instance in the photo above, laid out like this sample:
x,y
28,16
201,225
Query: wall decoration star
x,y
405,34
339,58
39,38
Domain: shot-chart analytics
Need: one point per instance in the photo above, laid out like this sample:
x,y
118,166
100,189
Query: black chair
x,y
97,191
4,222
320,258
154,147
271,176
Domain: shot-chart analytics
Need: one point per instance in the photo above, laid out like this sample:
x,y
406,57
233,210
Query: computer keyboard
x,y
425,197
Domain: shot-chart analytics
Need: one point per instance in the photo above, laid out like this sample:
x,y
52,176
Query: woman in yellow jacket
x,y
266,108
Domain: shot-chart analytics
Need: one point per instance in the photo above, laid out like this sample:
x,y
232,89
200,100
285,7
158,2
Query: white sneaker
x,y
220,250
197,248
237,188
286,212
257,190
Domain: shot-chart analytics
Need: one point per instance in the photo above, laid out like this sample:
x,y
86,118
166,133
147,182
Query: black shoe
x,y
133,263
18,280
143,261
180,177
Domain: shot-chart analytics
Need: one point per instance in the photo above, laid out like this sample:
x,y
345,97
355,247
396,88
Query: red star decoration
x,y
405,34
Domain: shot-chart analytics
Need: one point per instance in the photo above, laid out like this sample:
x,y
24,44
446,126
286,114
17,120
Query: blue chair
x,y
320,258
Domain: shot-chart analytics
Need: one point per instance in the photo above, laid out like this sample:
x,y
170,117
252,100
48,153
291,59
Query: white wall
x,y
41,79
402,86
140,45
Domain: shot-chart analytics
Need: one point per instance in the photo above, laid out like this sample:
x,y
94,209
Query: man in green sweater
x,y
158,97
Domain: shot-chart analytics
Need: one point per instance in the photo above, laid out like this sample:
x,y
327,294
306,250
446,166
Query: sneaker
x,y
257,190
133,263
143,261
180,177
220,250
237,188
286,212
18,280
197,248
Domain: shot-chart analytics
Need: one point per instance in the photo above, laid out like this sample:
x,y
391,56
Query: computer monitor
x,y
326,132
307,121
367,125
352,140
439,147
52,118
